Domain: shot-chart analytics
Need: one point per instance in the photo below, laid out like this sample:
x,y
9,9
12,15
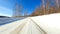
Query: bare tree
x,y
57,4
26,13
47,7
17,10
43,6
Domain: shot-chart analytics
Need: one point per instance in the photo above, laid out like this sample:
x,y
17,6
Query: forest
x,y
47,7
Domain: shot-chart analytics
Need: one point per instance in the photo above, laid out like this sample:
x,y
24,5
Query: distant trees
x,y
17,10
46,8
26,13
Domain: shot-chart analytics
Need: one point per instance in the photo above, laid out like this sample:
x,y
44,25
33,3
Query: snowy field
x,y
49,23
8,20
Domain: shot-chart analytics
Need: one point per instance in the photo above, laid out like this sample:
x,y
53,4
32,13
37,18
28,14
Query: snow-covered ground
x,y
49,23
8,20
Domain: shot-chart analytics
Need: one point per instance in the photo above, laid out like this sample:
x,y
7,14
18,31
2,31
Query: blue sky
x,y
7,6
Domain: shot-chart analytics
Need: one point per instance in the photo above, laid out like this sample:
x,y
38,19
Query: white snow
x,y
49,23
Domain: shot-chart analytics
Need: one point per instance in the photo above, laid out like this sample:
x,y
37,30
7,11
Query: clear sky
x,y
7,6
